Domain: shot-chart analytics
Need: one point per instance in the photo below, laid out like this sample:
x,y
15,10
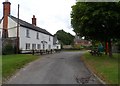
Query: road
x,y
57,68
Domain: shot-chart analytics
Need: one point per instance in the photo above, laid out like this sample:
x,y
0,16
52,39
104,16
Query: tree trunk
x,y
110,48
106,48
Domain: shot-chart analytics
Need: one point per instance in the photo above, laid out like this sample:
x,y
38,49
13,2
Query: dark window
x,y
27,46
33,46
57,47
49,38
38,46
37,35
28,33
43,46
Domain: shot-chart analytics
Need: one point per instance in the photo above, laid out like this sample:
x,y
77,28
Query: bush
x,y
8,49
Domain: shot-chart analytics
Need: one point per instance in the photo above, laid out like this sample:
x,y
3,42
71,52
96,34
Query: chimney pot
x,y
6,8
34,20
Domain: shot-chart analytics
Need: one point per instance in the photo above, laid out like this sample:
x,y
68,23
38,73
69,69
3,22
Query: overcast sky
x,y
51,15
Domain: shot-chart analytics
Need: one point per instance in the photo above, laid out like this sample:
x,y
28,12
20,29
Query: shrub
x,y
8,49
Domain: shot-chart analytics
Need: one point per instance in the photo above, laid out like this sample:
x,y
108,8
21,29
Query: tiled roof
x,y
30,26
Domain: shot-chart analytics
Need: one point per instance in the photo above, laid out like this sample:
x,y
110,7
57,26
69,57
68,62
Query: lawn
x,y
104,67
12,63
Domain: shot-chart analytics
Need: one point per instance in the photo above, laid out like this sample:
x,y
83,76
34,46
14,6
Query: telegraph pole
x,y
17,44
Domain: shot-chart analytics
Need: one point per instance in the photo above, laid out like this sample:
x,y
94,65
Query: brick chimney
x,y
6,13
6,7
34,20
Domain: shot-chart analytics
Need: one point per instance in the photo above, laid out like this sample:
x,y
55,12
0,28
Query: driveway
x,y
57,68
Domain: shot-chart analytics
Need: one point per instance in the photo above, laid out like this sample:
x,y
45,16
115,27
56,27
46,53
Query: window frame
x,y
27,33
49,38
27,46
37,35
33,46
38,46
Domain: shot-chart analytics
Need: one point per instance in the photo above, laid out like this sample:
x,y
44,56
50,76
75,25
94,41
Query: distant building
x,y
81,42
56,43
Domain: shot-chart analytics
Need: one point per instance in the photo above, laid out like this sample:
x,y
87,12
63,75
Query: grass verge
x,y
11,63
103,66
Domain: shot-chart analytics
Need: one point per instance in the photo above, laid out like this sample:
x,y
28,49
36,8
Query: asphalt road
x,y
58,68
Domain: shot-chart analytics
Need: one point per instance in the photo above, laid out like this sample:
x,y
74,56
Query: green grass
x,y
103,66
11,63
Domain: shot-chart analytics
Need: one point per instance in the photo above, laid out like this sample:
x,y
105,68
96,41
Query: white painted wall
x,y
57,46
1,26
12,32
12,28
33,39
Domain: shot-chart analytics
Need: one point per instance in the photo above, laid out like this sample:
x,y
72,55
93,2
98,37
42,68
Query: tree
x,y
64,37
97,21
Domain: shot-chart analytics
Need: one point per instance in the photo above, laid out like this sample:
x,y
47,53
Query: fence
x,y
41,52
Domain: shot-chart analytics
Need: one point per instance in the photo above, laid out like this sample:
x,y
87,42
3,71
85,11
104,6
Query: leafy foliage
x,y
99,21
8,49
64,37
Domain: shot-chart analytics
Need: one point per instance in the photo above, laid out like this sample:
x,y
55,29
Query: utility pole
x,y
17,44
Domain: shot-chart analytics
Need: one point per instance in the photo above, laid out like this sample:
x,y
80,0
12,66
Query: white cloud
x,y
51,15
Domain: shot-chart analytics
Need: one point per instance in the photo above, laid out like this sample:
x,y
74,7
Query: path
x,y
58,68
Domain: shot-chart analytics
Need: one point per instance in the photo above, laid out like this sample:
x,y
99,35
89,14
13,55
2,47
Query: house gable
x,y
12,26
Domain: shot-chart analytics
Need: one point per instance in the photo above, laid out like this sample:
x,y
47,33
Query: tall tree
x,y
98,20
64,37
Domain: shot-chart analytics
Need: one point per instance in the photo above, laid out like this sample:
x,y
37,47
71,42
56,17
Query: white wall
x,y
57,46
12,32
33,39
12,28
1,26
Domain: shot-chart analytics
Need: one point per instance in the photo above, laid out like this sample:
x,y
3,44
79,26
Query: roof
x,y
30,26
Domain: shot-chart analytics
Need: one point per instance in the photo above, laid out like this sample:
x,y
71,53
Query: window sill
x,y
27,36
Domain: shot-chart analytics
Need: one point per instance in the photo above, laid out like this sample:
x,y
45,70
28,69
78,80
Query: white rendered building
x,y
30,36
